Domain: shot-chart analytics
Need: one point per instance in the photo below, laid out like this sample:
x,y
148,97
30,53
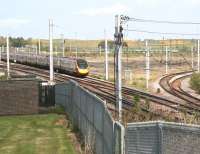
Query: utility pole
x,y
0,53
63,44
147,65
39,46
100,50
118,49
106,56
15,60
70,46
2,48
56,50
29,51
166,60
76,45
76,52
51,50
192,57
8,58
198,56
36,50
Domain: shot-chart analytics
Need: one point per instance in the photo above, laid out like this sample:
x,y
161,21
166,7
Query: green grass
x,y
35,134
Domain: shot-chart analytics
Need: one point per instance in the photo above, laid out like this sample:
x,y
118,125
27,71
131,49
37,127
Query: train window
x,y
82,64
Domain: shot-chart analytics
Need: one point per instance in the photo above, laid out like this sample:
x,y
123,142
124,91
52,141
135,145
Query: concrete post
x,y
51,51
63,45
8,58
147,65
0,53
166,60
106,56
192,57
118,80
198,62
39,50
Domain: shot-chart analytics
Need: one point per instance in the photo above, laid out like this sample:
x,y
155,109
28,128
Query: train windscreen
x,y
82,64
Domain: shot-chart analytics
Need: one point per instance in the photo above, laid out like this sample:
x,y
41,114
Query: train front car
x,y
82,67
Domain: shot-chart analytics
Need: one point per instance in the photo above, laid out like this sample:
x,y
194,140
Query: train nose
x,y
83,71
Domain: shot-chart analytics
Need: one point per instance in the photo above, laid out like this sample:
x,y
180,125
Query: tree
x,y
18,42
111,44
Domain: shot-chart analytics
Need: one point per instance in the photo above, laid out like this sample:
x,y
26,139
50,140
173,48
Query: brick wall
x,y
19,97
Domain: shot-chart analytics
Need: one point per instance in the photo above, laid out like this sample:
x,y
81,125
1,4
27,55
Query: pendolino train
x,y
72,66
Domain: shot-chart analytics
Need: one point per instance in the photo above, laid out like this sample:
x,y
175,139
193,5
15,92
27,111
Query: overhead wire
x,y
163,21
126,18
162,33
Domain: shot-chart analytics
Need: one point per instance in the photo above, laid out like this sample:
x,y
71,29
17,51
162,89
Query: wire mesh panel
x,y
142,139
62,95
162,138
180,139
108,133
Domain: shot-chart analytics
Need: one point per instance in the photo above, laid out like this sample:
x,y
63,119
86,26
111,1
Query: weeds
x,y
4,77
195,82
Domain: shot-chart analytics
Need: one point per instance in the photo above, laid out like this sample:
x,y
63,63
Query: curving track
x,y
172,84
105,89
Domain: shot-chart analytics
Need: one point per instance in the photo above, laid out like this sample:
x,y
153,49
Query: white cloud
x,y
149,3
192,2
167,3
114,9
12,22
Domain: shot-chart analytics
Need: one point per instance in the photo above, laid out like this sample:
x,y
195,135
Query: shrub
x,y
195,82
3,77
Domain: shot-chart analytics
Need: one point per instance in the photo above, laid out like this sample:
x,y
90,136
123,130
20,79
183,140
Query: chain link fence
x,y
162,138
90,115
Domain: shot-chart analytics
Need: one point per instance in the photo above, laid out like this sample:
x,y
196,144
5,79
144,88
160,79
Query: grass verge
x,y
35,134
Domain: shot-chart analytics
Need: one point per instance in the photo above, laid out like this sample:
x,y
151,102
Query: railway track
x,y
172,84
105,89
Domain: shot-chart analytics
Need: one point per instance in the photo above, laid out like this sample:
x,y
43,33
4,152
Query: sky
x,y
87,19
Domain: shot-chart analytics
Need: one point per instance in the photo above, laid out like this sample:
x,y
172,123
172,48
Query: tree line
x,y
16,41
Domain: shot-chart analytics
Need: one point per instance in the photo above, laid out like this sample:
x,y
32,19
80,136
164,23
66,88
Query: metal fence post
x,y
71,98
119,138
160,137
103,128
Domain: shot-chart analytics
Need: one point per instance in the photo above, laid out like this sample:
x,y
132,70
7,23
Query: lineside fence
x,y
162,138
105,136
90,115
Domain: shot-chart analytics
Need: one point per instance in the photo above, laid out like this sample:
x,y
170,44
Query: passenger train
x,y
72,66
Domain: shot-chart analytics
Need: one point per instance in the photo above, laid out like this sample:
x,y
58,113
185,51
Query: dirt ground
x,y
134,68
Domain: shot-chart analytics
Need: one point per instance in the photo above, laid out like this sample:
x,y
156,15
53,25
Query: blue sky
x,y
87,19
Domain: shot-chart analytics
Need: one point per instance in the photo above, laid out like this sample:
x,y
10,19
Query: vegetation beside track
x,y
35,134
3,77
195,82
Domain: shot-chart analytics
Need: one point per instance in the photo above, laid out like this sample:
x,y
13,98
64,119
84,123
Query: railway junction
x,y
112,118
105,90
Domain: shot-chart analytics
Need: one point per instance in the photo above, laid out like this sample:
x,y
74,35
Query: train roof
x,y
69,58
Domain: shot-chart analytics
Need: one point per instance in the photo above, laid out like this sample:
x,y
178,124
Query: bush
x,y
195,82
3,77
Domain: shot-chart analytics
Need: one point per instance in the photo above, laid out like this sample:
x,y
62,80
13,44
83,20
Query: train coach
x,y
73,66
